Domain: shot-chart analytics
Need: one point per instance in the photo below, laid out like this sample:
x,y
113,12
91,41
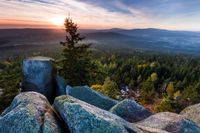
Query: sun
x,y
58,21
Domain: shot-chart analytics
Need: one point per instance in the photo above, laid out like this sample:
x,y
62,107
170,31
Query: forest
x,y
160,82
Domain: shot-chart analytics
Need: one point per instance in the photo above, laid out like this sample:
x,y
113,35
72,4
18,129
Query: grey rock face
x,y
60,86
91,96
130,110
82,117
192,113
30,112
38,76
170,122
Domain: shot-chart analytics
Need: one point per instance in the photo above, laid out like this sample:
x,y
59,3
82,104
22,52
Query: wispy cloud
x,y
173,14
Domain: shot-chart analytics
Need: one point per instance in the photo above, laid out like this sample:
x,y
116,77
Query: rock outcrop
x,y
30,112
80,117
130,111
192,113
38,76
91,96
82,109
170,122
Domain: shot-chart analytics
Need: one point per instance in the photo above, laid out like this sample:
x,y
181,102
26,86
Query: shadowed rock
x,y
82,117
91,96
192,113
170,122
60,86
130,111
38,76
30,112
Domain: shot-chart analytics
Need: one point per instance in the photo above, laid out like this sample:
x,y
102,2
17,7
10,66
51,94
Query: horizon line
x,y
53,28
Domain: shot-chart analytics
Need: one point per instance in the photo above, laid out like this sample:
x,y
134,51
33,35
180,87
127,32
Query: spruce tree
x,y
76,61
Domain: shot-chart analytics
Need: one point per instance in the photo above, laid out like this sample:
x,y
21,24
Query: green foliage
x,y
9,81
147,90
132,84
97,87
153,74
191,94
170,89
168,104
154,77
76,63
110,88
170,101
177,77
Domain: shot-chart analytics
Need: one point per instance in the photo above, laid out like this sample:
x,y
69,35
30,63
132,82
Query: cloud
x,y
85,14
106,13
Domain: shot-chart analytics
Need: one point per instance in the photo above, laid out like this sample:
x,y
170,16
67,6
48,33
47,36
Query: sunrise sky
x,y
101,14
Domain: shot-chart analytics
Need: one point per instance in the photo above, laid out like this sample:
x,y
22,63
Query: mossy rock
x,y
170,122
81,117
130,110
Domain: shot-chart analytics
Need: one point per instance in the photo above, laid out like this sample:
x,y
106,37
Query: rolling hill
x,y
21,41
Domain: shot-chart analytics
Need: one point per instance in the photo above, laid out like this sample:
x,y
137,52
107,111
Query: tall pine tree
x,y
76,62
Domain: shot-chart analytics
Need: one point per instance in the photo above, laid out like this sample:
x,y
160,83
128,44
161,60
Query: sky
x,y
101,14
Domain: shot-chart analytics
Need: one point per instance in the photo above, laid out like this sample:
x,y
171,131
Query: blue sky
x,y
98,14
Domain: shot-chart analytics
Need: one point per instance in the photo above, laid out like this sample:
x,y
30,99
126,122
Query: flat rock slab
x,y
130,111
38,76
30,112
82,117
170,122
91,96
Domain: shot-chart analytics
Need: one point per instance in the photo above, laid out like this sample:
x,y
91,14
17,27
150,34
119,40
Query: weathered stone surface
x,y
82,117
150,129
130,111
38,76
30,112
91,96
60,86
192,113
170,122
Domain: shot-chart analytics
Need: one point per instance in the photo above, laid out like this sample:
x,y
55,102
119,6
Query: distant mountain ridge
x,y
147,39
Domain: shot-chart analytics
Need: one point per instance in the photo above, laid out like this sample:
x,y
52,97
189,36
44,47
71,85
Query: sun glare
x,y
58,21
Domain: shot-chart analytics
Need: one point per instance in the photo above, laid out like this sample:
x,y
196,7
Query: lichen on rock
x,y
130,110
82,117
30,112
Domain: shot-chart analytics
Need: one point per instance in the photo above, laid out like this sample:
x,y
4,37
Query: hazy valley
x,y
26,41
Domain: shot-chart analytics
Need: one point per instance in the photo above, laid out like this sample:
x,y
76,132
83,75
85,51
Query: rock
x,y
83,117
150,129
69,89
60,86
192,113
30,112
130,111
170,122
38,76
91,96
